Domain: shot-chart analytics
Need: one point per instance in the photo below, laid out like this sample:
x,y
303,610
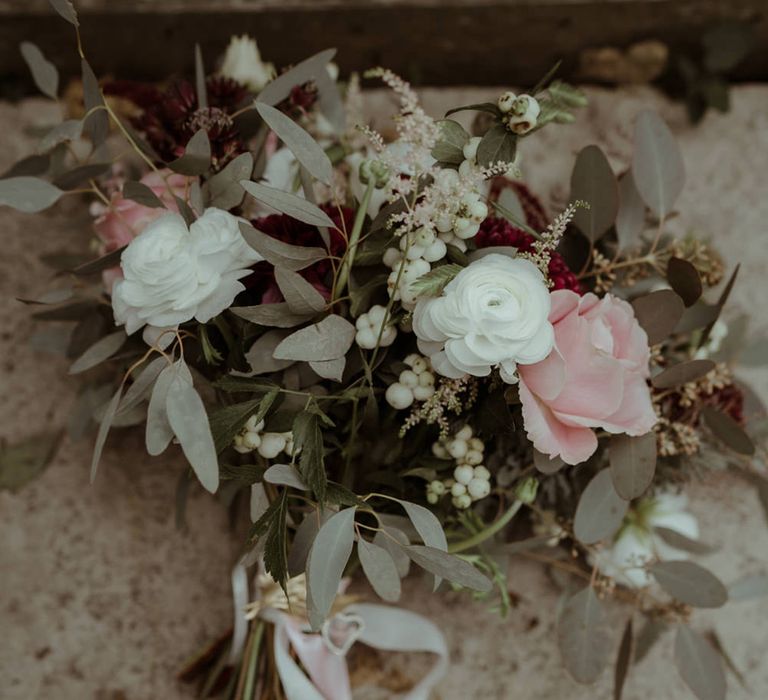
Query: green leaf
x,y
327,340
287,203
142,385
99,264
309,69
728,431
44,73
426,524
259,356
633,463
302,298
623,661
488,107
448,566
96,125
380,570
223,190
274,315
682,373
630,217
657,166
690,583
284,475
721,302
594,182
497,145
600,511
100,351
658,313
28,194
308,442
325,565
24,461
583,637
394,541
545,464
433,283
141,194
330,369
66,10
202,93
75,177
307,151
279,254
275,542
101,436
449,148
684,279
158,433
699,665
679,541
189,422
226,422
197,156
303,538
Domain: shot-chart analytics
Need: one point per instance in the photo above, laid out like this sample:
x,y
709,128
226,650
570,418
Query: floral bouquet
x,y
383,353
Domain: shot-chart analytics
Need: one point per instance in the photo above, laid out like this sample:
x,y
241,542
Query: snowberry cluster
x,y
399,281
461,220
471,480
414,384
521,112
268,445
369,328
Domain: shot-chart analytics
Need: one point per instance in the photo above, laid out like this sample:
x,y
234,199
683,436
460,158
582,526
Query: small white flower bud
x,y
465,434
422,393
253,426
437,487
478,488
457,448
392,257
473,457
435,251
470,148
463,474
398,396
432,497
482,473
458,489
418,364
251,440
524,114
438,449
506,100
463,501
409,378
476,444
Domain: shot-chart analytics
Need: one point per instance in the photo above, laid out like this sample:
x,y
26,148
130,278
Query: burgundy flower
x,y
289,230
169,119
495,231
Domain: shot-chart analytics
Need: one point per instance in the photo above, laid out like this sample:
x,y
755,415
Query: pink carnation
x,y
125,219
594,378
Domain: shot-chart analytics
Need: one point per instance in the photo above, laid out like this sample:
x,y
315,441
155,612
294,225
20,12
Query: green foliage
x,y
433,283
228,421
308,441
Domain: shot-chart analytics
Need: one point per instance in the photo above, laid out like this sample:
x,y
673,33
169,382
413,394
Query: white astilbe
x,y
548,240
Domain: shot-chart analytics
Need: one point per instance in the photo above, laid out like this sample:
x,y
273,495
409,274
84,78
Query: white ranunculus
x,y
242,62
492,314
173,273
638,544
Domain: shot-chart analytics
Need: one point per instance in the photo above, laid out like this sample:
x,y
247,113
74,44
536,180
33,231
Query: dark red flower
x,y
495,231
289,230
169,119
729,399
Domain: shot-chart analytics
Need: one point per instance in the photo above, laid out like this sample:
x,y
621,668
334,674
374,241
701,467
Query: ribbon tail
x,y
239,600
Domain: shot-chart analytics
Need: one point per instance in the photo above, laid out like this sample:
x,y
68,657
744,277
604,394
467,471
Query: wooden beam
x,y
461,42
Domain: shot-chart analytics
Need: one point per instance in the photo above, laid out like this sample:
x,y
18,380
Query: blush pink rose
x,y
125,219
594,378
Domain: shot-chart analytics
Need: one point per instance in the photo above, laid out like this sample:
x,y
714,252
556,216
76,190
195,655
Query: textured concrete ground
x,y
102,598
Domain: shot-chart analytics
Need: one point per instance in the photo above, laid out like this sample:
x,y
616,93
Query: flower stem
x,y
487,533
354,238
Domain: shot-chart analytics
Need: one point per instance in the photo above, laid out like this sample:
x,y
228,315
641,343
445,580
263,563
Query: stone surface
x,y
103,598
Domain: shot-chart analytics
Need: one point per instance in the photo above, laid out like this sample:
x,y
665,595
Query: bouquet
x,y
390,359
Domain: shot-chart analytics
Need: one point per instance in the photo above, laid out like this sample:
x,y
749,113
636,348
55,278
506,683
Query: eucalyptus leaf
x,y
391,539
303,539
309,69
684,279
301,296
96,124
28,194
202,93
682,373
66,10
104,426
197,156
275,315
583,637
426,524
286,203
448,566
380,570
44,73
594,182
545,464
699,665
68,130
259,356
141,194
101,350
76,176
284,475
623,660
633,463
223,189
325,565
307,151
330,369
158,433
679,541
728,431
630,217
690,583
142,385
327,340
658,313
600,511
657,166
100,264
280,254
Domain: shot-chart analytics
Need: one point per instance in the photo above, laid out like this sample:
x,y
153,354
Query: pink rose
x,y
594,378
125,219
